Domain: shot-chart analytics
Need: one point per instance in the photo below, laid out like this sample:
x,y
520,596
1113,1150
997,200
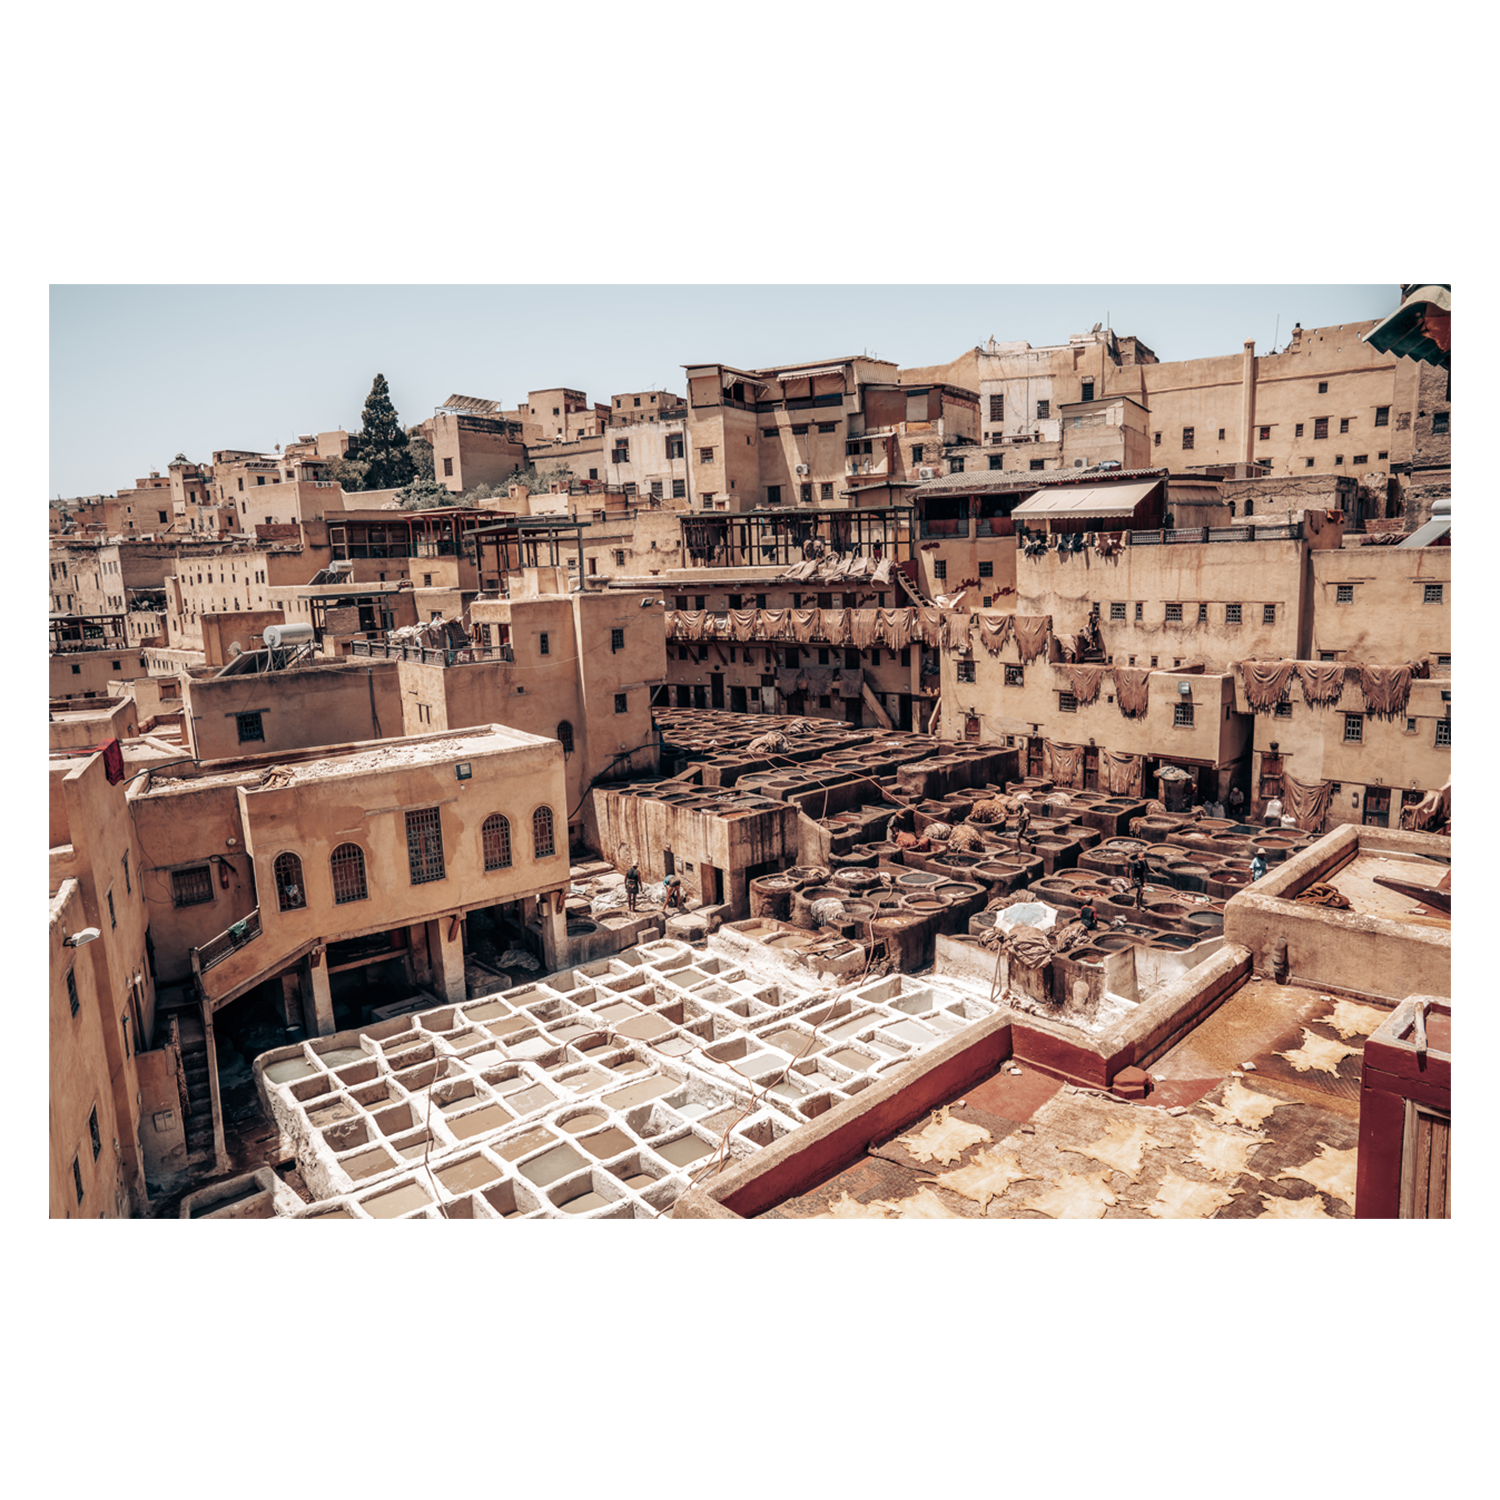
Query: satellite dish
x,y
235,648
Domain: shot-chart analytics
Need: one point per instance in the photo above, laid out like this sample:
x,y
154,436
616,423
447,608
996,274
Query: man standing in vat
x,y
1023,823
632,885
1138,876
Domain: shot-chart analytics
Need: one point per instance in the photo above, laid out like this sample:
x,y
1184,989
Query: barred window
x,y
565,736
1140,611
1284,708
1232,614
72,994
997,408
1116,611
1015,676
940,570
1444,734
541,833
966,671
1344,594
287,872
1174,612
621,704
617,640
1354,729
192,887
250,727
986,570
1203,614
1067,703
1432,593
348,865
1187,437
495,837
1382,416
1182,715
424,845
1268,614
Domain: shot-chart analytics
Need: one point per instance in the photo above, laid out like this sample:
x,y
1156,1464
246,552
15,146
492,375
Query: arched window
x,y
495,836
565,734
348,864
290,895
541,833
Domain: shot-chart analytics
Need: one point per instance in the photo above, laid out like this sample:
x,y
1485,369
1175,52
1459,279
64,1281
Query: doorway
x,y
737,700
1091,769
1377,807
716,688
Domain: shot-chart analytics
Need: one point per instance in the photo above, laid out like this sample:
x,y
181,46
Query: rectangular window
x,y
1322,387
656,489
997,461
1203,614
543,645
1343,424
1087,390
1015,676
674,446
620,703
986,570
447,468
1411,726
1284,708
940,570
1354,729
1174,613
1444,660
1265,434
825,491
1444,734
1038,463
1432,593
705,455
828,426
1067,703
1221,434
1140,611
1116,610
679,489
1187,437
617,640
424,845
997,408
72,994
1361,458
192,887
249,727
94,1140
1268,614
955,466
1328,656
1320,428
1299,429
806,494
1338,458
1156,440
1182,715
773,494
1231,614
916,453
1382,416
822,656
966,671
593,473
1439,423
800,430
1043,410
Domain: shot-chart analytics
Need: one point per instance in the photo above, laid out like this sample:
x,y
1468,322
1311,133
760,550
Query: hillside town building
x,y
1032,770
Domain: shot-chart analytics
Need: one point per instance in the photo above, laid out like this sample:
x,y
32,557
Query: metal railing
x,y
1249,533
217,949
432,656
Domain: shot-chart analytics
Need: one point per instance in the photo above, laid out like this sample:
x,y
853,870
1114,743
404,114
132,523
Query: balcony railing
x,y
1282,533
217,949
957,527
432,656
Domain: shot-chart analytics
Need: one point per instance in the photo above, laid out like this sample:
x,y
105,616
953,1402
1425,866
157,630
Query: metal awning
x,y
1418,328
1086,500
785,375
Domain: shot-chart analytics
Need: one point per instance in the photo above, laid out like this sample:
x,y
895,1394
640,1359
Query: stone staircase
x,y
199,1122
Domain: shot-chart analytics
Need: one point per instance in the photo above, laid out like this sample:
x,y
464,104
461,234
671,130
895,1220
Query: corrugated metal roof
x,y
1087,500
1014,479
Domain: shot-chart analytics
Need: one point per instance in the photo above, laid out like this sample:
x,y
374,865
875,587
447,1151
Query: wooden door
x,y
1424,1164
1377,807
1091,770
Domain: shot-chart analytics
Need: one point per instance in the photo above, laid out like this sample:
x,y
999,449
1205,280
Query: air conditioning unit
x,y
803,469
924,473
1077,463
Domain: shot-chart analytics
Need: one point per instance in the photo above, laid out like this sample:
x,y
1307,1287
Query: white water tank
x,y
287,635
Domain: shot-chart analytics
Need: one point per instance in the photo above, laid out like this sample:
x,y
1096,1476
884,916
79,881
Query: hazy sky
x,y
139,373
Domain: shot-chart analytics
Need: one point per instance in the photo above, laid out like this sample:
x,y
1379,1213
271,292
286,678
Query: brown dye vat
x,y
502,1198
683,1152
340,1110
488,1011
639,1180
311,1088
347,1135
332,1213
568,1033
609,1142
467,1039
397,1201
491,1117
595,1051
583,1202
508,1028
638,1093
472,1173
794,1042
366,1164
627,1066
584,1079
586,1121
288,1069
618,1012
413,1149
527,1099
516,1149
851,1059
553,1164
645,1028
338,1057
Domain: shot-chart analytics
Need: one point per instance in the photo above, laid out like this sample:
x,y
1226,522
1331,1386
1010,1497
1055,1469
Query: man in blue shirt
x,y
1258,865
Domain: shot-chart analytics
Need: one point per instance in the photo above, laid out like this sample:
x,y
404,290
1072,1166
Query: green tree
x,y
384,447
421,454
427,494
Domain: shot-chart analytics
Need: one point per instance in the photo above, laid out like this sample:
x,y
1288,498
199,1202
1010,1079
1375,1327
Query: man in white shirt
x,y
1273,813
